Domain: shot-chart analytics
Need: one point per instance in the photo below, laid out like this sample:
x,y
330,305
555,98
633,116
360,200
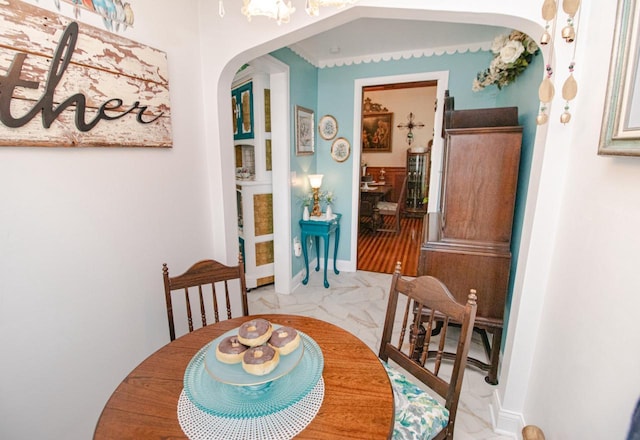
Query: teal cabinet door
x,y
242,106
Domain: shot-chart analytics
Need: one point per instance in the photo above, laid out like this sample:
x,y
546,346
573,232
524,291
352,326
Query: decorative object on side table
x,y
340,150
315,180
328,127
512,54
328,198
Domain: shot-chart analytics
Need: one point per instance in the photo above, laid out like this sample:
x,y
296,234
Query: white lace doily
x,y
281,425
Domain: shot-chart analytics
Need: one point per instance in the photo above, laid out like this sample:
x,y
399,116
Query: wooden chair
x,y
417,414
393,208
203,277
365,215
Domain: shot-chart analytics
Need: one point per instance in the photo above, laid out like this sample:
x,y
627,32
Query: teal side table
x,y
317,229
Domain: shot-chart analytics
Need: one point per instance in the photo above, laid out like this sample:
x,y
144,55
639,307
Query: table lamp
x,y
315,180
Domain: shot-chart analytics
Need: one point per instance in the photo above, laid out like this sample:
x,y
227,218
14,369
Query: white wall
x,y
585,374
83,234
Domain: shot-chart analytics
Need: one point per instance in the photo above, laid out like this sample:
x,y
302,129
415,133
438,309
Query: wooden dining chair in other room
x,y
417,413
393,209
208,281
365,215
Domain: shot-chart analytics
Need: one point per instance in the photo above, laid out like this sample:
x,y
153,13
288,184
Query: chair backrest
x,y
426,292
200,281
395,208
402,199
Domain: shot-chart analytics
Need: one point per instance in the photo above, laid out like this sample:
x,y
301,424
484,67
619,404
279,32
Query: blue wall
x,y
523,93
334,95
303,91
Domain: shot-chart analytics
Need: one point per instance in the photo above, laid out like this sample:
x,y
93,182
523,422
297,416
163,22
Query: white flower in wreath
x,y
499,42
511,52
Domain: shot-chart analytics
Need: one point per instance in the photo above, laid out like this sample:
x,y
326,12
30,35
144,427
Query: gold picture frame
x,y
376,132
328,127
340,149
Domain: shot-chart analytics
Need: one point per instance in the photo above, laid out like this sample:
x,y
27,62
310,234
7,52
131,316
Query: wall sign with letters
x,y
71,85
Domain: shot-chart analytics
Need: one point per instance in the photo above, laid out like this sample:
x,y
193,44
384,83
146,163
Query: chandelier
x,y
280,10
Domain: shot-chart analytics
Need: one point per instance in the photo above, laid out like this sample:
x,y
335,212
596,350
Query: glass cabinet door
x,y
418,165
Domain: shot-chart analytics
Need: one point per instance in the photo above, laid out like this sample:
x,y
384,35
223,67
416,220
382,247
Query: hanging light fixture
x,y
313,6
280,10
276,9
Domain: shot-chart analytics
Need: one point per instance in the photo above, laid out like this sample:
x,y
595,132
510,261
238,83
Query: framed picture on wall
x,y
340,149
620,133
328,127
305,128
376,132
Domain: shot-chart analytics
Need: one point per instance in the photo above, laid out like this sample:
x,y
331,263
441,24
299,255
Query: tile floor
x,y
356,301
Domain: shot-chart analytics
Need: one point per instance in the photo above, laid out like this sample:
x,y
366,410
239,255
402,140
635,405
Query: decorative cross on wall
x,y
410,126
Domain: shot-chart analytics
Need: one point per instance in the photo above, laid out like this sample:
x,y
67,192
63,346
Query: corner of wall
x,y
505,422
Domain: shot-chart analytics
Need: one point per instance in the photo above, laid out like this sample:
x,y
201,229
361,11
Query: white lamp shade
x,y
315,180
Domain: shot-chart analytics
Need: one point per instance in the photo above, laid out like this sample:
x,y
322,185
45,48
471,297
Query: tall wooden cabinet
x,y
468,242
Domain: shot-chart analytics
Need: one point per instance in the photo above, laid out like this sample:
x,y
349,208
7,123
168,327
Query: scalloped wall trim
x,y
390,56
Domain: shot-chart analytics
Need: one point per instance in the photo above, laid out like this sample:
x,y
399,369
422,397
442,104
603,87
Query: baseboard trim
x,y
505,422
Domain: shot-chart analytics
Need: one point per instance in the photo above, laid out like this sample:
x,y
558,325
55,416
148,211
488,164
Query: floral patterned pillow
x,y
417,414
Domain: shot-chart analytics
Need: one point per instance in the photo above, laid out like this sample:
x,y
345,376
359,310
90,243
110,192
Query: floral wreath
x,y
512,54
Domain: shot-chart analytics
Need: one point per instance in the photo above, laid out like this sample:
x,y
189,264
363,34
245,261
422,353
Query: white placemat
x,y
281,425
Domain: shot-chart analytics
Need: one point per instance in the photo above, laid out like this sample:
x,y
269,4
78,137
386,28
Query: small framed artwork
x,y
328,127
376,132
305,129
620,133
340,149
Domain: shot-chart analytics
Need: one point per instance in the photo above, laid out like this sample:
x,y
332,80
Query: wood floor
x,y
379,252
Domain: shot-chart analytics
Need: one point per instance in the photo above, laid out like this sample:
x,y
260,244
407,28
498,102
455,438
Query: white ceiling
x,y
365,37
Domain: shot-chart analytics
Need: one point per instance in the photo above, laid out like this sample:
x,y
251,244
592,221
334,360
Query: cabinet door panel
x,y
462,271
242,102
481,174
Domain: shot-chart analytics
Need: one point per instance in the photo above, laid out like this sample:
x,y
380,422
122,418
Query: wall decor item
x,y
78,86
328,127
369,106
340,149
512,54
305,129
376,132
410,125
620,133
115,14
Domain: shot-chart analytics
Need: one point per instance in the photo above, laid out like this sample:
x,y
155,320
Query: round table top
x,y
358,399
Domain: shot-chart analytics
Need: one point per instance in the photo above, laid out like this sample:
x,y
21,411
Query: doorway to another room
x,y
398,127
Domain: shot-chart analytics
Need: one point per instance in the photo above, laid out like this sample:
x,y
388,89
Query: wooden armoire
x,y
468,241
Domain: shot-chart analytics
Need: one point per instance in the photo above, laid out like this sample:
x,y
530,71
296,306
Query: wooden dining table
x,y
357,404
369,198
